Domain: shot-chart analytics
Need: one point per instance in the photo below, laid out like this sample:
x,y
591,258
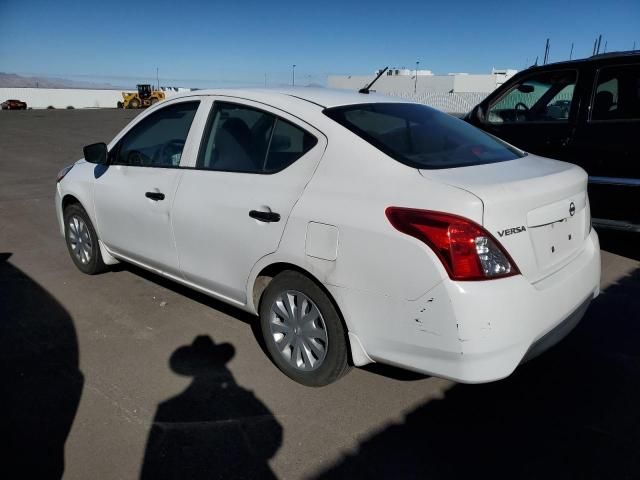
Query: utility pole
x,y
293,75
571,53
595,44
605,46
599,42
415,83
157,79
546,53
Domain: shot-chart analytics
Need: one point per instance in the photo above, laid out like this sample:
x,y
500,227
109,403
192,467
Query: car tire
x,y
82,240
303,331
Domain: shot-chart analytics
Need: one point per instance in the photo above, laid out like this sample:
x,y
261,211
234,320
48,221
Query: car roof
x,y
321,97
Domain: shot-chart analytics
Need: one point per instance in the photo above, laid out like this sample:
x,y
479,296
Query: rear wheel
x,y
82,240
302,330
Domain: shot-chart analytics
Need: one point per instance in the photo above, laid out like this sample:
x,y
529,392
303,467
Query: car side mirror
x,y
476,115
96,153
525,88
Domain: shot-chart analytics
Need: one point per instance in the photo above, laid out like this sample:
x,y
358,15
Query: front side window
x,y
158,140
617,95
244,139
545,97
420,136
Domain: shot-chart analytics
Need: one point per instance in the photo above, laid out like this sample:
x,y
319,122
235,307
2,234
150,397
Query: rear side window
x,y
244,139
422,137
617,94
158,140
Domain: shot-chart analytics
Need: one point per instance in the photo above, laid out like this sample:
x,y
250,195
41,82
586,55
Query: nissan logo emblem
x,y
572,209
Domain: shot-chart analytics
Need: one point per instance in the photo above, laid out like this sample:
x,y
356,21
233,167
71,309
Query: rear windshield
x,y
420,136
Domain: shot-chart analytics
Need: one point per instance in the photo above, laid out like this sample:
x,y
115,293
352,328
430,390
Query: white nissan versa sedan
x,y
359,228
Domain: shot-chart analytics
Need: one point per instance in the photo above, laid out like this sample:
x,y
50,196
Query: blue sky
x,y
212,43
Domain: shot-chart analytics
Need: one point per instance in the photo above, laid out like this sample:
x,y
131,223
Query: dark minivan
x,y
583,111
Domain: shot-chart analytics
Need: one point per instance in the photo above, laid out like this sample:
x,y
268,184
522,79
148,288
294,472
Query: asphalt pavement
x,y
127,375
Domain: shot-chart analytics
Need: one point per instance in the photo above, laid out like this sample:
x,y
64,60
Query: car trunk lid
x,y
535,207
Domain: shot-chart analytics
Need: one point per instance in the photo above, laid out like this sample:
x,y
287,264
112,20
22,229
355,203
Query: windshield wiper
x,y
368,87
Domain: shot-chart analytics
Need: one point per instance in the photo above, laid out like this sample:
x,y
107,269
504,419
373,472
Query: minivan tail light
x,y
467,251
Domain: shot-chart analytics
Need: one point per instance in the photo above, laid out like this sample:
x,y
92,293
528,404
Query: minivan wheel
x,y
302,330
82,240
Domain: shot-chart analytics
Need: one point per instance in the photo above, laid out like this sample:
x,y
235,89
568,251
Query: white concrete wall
x,y
404,84
474,83
455,103
64,97
395,84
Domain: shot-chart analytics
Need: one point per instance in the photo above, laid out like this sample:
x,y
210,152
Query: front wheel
x,y
302,330
82,240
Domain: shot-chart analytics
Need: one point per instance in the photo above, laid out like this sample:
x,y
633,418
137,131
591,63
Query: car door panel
x,y
132,225
607,146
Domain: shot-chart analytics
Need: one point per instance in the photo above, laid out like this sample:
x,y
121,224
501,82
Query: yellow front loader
x,y
143,98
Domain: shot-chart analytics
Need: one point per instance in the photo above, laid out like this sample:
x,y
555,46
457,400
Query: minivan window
x,y
158,140
422,137
617,94
239,138
544,97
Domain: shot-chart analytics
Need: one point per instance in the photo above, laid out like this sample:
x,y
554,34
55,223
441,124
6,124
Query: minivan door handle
x,y
265,216
155,196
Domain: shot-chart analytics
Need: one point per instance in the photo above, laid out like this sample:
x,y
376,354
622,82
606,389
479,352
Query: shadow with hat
x,y
214,428
41,381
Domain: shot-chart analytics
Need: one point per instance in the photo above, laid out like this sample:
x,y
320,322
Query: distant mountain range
x,y
12,80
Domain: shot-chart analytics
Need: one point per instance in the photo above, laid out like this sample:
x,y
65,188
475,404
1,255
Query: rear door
x,y
538,114
608,147
232,207
134,193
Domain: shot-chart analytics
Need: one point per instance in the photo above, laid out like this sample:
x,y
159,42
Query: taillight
x,y
63,172
467,251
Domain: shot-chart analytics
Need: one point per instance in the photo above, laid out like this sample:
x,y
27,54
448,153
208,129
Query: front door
x,y
538,114
134,193
230,211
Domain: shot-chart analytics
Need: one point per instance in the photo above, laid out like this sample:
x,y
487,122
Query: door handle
x,y
265,216
155,196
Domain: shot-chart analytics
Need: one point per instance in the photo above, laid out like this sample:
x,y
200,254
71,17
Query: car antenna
x,y
368,87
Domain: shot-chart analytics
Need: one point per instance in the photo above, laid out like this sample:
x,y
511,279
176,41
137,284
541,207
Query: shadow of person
x,y
573,412
215,428
41,382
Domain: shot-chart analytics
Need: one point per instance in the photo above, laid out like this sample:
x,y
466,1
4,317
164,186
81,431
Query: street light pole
x,y
415,83
293,75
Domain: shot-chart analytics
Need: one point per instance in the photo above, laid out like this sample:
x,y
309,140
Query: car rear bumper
x,y
476,332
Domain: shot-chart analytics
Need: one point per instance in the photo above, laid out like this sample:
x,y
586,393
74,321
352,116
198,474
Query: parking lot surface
x,y
126,375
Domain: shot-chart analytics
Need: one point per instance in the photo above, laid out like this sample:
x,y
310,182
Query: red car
x,y
14,105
